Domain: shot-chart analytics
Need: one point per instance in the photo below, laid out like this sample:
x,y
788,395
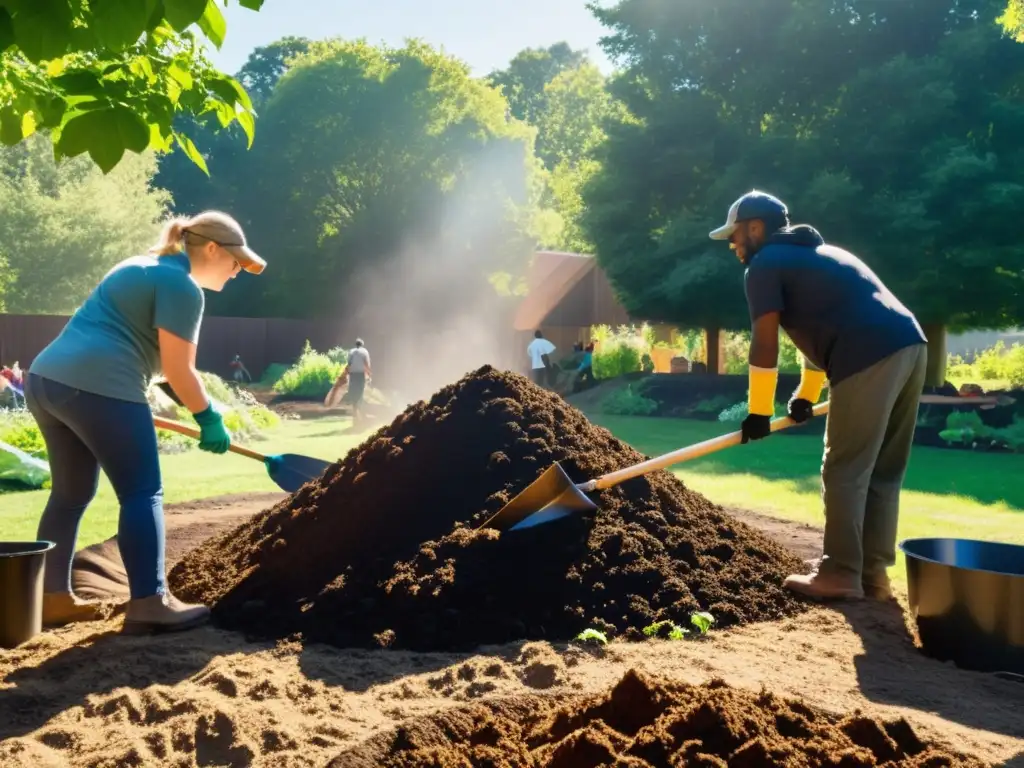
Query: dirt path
x,y
99,571
86,696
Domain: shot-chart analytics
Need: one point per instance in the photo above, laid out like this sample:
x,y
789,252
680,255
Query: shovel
x,y
554,495
289,470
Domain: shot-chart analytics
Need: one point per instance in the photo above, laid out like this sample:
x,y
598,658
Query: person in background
x,y
851,329
586,370
358,373
539,351
87,392
241,373
16,383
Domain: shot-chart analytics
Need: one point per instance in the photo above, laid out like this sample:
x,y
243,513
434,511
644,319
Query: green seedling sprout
x,y
592,636
675,631
702,621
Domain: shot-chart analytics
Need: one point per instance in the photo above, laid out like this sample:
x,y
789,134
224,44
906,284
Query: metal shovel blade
x,y
291,471
549,497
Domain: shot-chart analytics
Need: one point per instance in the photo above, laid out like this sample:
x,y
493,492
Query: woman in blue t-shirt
x,y
87,391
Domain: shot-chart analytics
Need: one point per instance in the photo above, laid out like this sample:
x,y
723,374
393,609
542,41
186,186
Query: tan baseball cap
x,y
227,233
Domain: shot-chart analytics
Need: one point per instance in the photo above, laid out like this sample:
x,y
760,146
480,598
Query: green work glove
x,y
213,435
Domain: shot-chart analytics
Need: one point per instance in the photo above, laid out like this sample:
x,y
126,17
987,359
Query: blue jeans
x,y
84,432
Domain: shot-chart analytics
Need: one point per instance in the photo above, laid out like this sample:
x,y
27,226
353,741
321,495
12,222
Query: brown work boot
x,y
60,608
162,613
877,586
826,586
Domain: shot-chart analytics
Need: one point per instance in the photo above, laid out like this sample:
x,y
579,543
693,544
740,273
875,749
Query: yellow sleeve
x,y
762,390
812,381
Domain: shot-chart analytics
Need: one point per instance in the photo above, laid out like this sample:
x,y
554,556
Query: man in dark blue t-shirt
x,y
851,329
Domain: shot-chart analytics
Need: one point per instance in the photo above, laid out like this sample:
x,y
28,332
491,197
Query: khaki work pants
x,y
868,434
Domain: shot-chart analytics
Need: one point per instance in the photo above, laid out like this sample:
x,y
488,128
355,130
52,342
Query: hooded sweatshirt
x,y
837,311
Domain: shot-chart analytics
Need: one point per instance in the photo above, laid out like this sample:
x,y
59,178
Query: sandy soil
x,y
86,696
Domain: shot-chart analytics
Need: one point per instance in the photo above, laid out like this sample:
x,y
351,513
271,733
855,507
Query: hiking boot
x,y
60,608
877,587
162,613
826,586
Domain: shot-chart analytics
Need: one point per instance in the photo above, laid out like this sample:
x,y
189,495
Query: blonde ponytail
x,y
171,237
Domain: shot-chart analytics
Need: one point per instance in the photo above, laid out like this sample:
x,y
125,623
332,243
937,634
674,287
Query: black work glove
x,y
756,427
800,410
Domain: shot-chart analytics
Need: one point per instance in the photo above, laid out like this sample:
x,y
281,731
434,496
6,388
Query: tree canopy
x,y
224,148
63,225
523,81
399,152
890,127
110,76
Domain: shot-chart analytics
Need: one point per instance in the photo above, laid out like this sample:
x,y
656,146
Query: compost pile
x,y
383,549
649,723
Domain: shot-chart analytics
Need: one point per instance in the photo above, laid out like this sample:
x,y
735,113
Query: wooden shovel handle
x,y
687,454
185,429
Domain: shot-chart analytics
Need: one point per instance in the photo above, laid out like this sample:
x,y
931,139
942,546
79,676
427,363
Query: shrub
x,y
621,351
998,365
338,355
628,402
737,350
966,428
738,412
19,428
312,375
245,417
273,374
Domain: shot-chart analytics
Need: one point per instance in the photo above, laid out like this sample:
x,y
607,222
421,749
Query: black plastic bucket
x,y
967,598
21,590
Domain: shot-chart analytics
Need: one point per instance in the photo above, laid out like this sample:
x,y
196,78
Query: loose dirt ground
x,y
86,696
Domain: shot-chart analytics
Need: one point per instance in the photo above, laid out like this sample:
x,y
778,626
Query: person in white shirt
x,y
540,362
357,373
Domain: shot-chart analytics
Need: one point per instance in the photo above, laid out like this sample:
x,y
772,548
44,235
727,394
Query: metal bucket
x,y
21,590
967,598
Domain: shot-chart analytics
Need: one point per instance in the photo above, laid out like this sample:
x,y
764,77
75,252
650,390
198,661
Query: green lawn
x,y
946,493
190,476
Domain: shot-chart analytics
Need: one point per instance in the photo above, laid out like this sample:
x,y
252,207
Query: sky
x,y
486,34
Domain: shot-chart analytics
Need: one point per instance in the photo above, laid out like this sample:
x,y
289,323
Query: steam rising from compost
x,y
428,312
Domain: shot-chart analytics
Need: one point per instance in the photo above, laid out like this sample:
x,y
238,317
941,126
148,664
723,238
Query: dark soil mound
x,y
382,550
645,723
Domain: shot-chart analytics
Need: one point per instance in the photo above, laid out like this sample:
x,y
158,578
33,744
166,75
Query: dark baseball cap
x,y
753,205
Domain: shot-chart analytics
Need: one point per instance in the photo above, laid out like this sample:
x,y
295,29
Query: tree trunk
x,y
714,344
936,334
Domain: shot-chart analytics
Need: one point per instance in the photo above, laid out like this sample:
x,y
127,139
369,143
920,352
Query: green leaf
x,y
213,24
181,75
14,126
141,67
592,636
224,89
160,139
183,13
6,30
51,110
243,97
248,123
191,151
79,82
42,29
120,23
252,5
702,621
105,134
